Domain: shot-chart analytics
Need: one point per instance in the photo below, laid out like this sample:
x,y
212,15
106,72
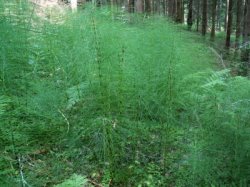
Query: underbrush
x,y
128,102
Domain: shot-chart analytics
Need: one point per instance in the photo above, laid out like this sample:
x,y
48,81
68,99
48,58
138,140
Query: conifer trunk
x,y
131,6
179,11
214,5
238,22
172,8
226,16
219,15
229,24
198,16
148,6
139,6
246,40
190,14
204,18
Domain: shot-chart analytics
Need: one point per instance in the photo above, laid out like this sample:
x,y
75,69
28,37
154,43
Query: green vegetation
x,y
132,101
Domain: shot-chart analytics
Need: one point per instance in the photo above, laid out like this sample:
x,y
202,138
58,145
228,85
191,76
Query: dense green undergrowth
x,y
122,100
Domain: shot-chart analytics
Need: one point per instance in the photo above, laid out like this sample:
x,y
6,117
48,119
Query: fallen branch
x,y
219,56
95,184
24,182
66,120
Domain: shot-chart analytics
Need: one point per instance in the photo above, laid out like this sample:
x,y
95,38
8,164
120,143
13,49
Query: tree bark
x,y
226,16
131,6
204,18
179,11
214,5
198,16
190,14
172,8
229,24
219,4
148,6
139,6
246,41
238,23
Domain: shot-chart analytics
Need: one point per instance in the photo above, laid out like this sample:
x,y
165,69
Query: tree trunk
x,y
226,16
229,24
204,18
190,14
182,11
169,7
148,6
172,8
131,6
219,4
139,6
164,4
179,17
246,40
238,23
157,4
198,16
214,5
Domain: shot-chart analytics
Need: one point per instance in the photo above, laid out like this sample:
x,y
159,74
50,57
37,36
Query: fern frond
x,y
74,181
217,79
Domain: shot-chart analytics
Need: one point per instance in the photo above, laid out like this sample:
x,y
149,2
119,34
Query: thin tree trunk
x,y
172,8
148,6
238,23
229,24
204,18
182,11
219,15
157,6
190,14
226,16
164,5
179,11
139,6
246,41
214,5
131,6
244,21
198,16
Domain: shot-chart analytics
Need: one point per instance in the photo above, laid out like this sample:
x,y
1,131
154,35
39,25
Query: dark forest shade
x,y
179,13
214,5
238,22
198,15
148,6
131,6
190,14
172,8
204,18
246,40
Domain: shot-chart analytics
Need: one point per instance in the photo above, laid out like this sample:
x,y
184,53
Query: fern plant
x,y
74,181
